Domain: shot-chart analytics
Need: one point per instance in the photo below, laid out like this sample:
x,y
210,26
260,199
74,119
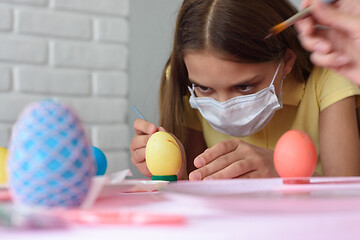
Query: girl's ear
x,y
289,60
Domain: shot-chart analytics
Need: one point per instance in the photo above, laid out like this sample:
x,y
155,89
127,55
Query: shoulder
x,y
329,87
325,78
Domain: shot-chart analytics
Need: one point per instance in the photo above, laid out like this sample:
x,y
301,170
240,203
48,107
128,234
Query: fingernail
x,y
195,176
321,47
199,162
150,129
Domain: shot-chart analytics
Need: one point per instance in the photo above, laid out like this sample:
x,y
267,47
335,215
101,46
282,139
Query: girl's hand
x,y
182,174
234,158
143,131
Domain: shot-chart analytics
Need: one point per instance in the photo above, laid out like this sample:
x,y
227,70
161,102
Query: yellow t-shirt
x,y
302,104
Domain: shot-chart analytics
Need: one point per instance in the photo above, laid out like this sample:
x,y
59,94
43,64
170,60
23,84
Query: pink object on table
x,y
295,155
270,195
119,217
256,209
5,195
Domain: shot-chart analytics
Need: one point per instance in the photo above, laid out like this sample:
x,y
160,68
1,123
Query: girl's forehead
x,y
204,66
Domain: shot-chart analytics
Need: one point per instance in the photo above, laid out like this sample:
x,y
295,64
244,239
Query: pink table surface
x,y
328,208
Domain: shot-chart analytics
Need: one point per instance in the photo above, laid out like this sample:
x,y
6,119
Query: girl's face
x,y
223,79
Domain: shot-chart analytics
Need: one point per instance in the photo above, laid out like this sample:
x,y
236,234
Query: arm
x,y
339,139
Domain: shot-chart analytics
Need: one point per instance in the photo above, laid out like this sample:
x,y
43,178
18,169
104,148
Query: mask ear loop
x,y
192,90
281,93
282,82
272,81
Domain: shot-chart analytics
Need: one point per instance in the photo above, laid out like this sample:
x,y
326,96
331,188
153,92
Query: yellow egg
x,y
3,175
163,155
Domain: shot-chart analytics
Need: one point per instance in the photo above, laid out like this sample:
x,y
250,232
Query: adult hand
x,y
234,158
338,46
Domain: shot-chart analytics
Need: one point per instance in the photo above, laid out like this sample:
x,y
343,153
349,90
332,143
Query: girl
x,y
228,94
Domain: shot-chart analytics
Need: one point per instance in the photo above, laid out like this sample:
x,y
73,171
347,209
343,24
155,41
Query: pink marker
x,y
137,218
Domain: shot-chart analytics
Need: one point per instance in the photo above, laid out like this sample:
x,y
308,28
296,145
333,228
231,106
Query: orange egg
x,y
295,155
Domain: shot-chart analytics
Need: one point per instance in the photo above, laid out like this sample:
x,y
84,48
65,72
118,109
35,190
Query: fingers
x,y
143,127
225,171
316,44
305,3
305,26
142,167
220,161
137,147
143,131
213,167
312,38
215,152
330,15
162,129
330,60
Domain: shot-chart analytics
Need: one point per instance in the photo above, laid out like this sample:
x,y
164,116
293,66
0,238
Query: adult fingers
x,y
329,15
316,44
330,60
305,3
305,26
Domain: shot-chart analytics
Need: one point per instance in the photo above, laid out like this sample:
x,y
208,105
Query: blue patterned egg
x,y
50,162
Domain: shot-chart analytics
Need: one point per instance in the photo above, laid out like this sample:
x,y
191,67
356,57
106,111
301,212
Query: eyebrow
x,y
246,82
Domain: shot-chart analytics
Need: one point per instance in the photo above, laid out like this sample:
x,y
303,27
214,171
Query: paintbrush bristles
x,y
276,29
287,23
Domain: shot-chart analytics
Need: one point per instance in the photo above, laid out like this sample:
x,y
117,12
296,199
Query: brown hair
x,y
234,28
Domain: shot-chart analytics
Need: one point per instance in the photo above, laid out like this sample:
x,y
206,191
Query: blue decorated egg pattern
x,y
50,162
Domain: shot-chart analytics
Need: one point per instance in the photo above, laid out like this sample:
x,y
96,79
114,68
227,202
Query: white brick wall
x,y
22,50
108,30
6,19
54,24
27,2
110,84
105,7
75,51
88,55
53,81
5,79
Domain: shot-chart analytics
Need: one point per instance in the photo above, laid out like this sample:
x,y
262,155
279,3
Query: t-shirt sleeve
x,y
331,88
191,119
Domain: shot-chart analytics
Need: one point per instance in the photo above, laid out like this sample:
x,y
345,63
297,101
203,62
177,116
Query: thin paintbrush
x,y
287,23
138,112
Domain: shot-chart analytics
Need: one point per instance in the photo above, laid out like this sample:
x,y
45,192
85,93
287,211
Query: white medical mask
x,y
242,115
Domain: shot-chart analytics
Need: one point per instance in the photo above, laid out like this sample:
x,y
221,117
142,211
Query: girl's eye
x,y
202,88
245,88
